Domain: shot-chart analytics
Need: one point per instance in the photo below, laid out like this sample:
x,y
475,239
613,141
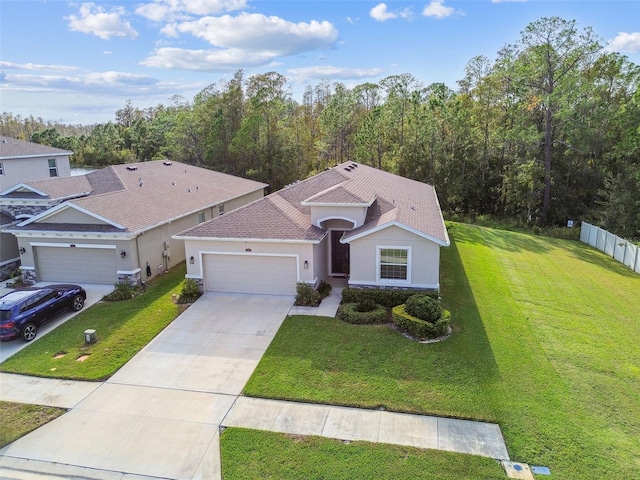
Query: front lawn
x,y
18,419
546,343
123,328
250,454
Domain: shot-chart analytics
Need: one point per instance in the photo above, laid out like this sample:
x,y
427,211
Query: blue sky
x,y
78,62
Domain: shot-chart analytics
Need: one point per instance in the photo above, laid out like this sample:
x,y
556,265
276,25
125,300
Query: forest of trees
x,y
547,132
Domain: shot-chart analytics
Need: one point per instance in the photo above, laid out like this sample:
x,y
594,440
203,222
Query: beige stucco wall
x,y
239,201
22,170
71,215
303,251
425,258
320,214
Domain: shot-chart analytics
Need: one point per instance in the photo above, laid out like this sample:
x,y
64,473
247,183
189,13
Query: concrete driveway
x,y
94,295
159,415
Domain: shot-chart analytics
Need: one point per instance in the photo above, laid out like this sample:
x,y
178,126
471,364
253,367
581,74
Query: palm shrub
x,y
306,295
190,291
324,288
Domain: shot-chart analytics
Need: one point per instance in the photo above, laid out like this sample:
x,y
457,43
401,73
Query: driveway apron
x,y
159,415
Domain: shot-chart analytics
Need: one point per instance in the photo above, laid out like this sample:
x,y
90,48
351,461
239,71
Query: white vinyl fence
x,y
619,248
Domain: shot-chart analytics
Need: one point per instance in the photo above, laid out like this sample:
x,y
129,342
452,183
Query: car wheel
x,y
77,303
29,332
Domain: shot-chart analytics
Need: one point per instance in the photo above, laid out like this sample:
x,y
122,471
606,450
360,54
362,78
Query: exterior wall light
x,y
306,264
22,251
123,254
192,260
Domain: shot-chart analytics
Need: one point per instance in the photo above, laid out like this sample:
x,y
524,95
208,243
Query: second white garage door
x,y
267,275
76,265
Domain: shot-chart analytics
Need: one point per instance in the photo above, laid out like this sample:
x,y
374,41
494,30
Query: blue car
x,y
23,311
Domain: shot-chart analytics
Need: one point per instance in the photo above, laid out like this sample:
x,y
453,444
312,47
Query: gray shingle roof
x,y
141,195
286,215
14,148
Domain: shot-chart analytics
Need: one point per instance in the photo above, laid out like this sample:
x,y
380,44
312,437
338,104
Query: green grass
x,y
546,343
18,419
249,454
123,328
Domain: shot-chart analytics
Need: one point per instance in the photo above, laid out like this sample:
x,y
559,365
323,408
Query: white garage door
x,y
76,265
267,275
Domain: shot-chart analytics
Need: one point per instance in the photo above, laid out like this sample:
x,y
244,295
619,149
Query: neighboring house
x,y
21,162
115,224
376,228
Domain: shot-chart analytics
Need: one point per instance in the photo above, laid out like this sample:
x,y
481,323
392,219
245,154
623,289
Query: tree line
x,y
548,131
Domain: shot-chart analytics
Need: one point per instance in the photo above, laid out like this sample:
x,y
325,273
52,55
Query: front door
x,y
339,254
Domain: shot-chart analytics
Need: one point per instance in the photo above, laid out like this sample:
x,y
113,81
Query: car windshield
x,y
5,315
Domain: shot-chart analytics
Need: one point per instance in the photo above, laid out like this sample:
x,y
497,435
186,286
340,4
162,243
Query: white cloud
x,y
437,9
625,43
206,60
507,1
95,20
36,66
109,83
322,72
261,33
241,41
172,10
381,14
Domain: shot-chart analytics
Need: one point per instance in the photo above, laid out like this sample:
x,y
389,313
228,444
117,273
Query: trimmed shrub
x,y
123,291
386,297
324,289
190,291
352,313
424,307
306,296
419,328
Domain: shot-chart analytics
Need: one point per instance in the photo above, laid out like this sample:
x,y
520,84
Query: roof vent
x,y
167,163
189,190
131,168
141,183
348,169
173,183
4,140
354,165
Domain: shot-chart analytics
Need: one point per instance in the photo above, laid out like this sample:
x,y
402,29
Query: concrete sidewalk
x,y
344,423
329,305
159,416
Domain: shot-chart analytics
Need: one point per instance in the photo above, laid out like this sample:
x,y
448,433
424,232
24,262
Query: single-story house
x,y
376,228
20,162
115,224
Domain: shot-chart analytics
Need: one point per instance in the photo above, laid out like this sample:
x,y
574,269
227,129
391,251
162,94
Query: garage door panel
x,y
269,275
77,265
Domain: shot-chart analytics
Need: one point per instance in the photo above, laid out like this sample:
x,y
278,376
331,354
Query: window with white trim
x,y
201,217
1,169
53,168
394,264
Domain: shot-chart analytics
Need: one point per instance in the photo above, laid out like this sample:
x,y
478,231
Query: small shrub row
x,y
362,313
123,291
386,297
419,328
190,291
